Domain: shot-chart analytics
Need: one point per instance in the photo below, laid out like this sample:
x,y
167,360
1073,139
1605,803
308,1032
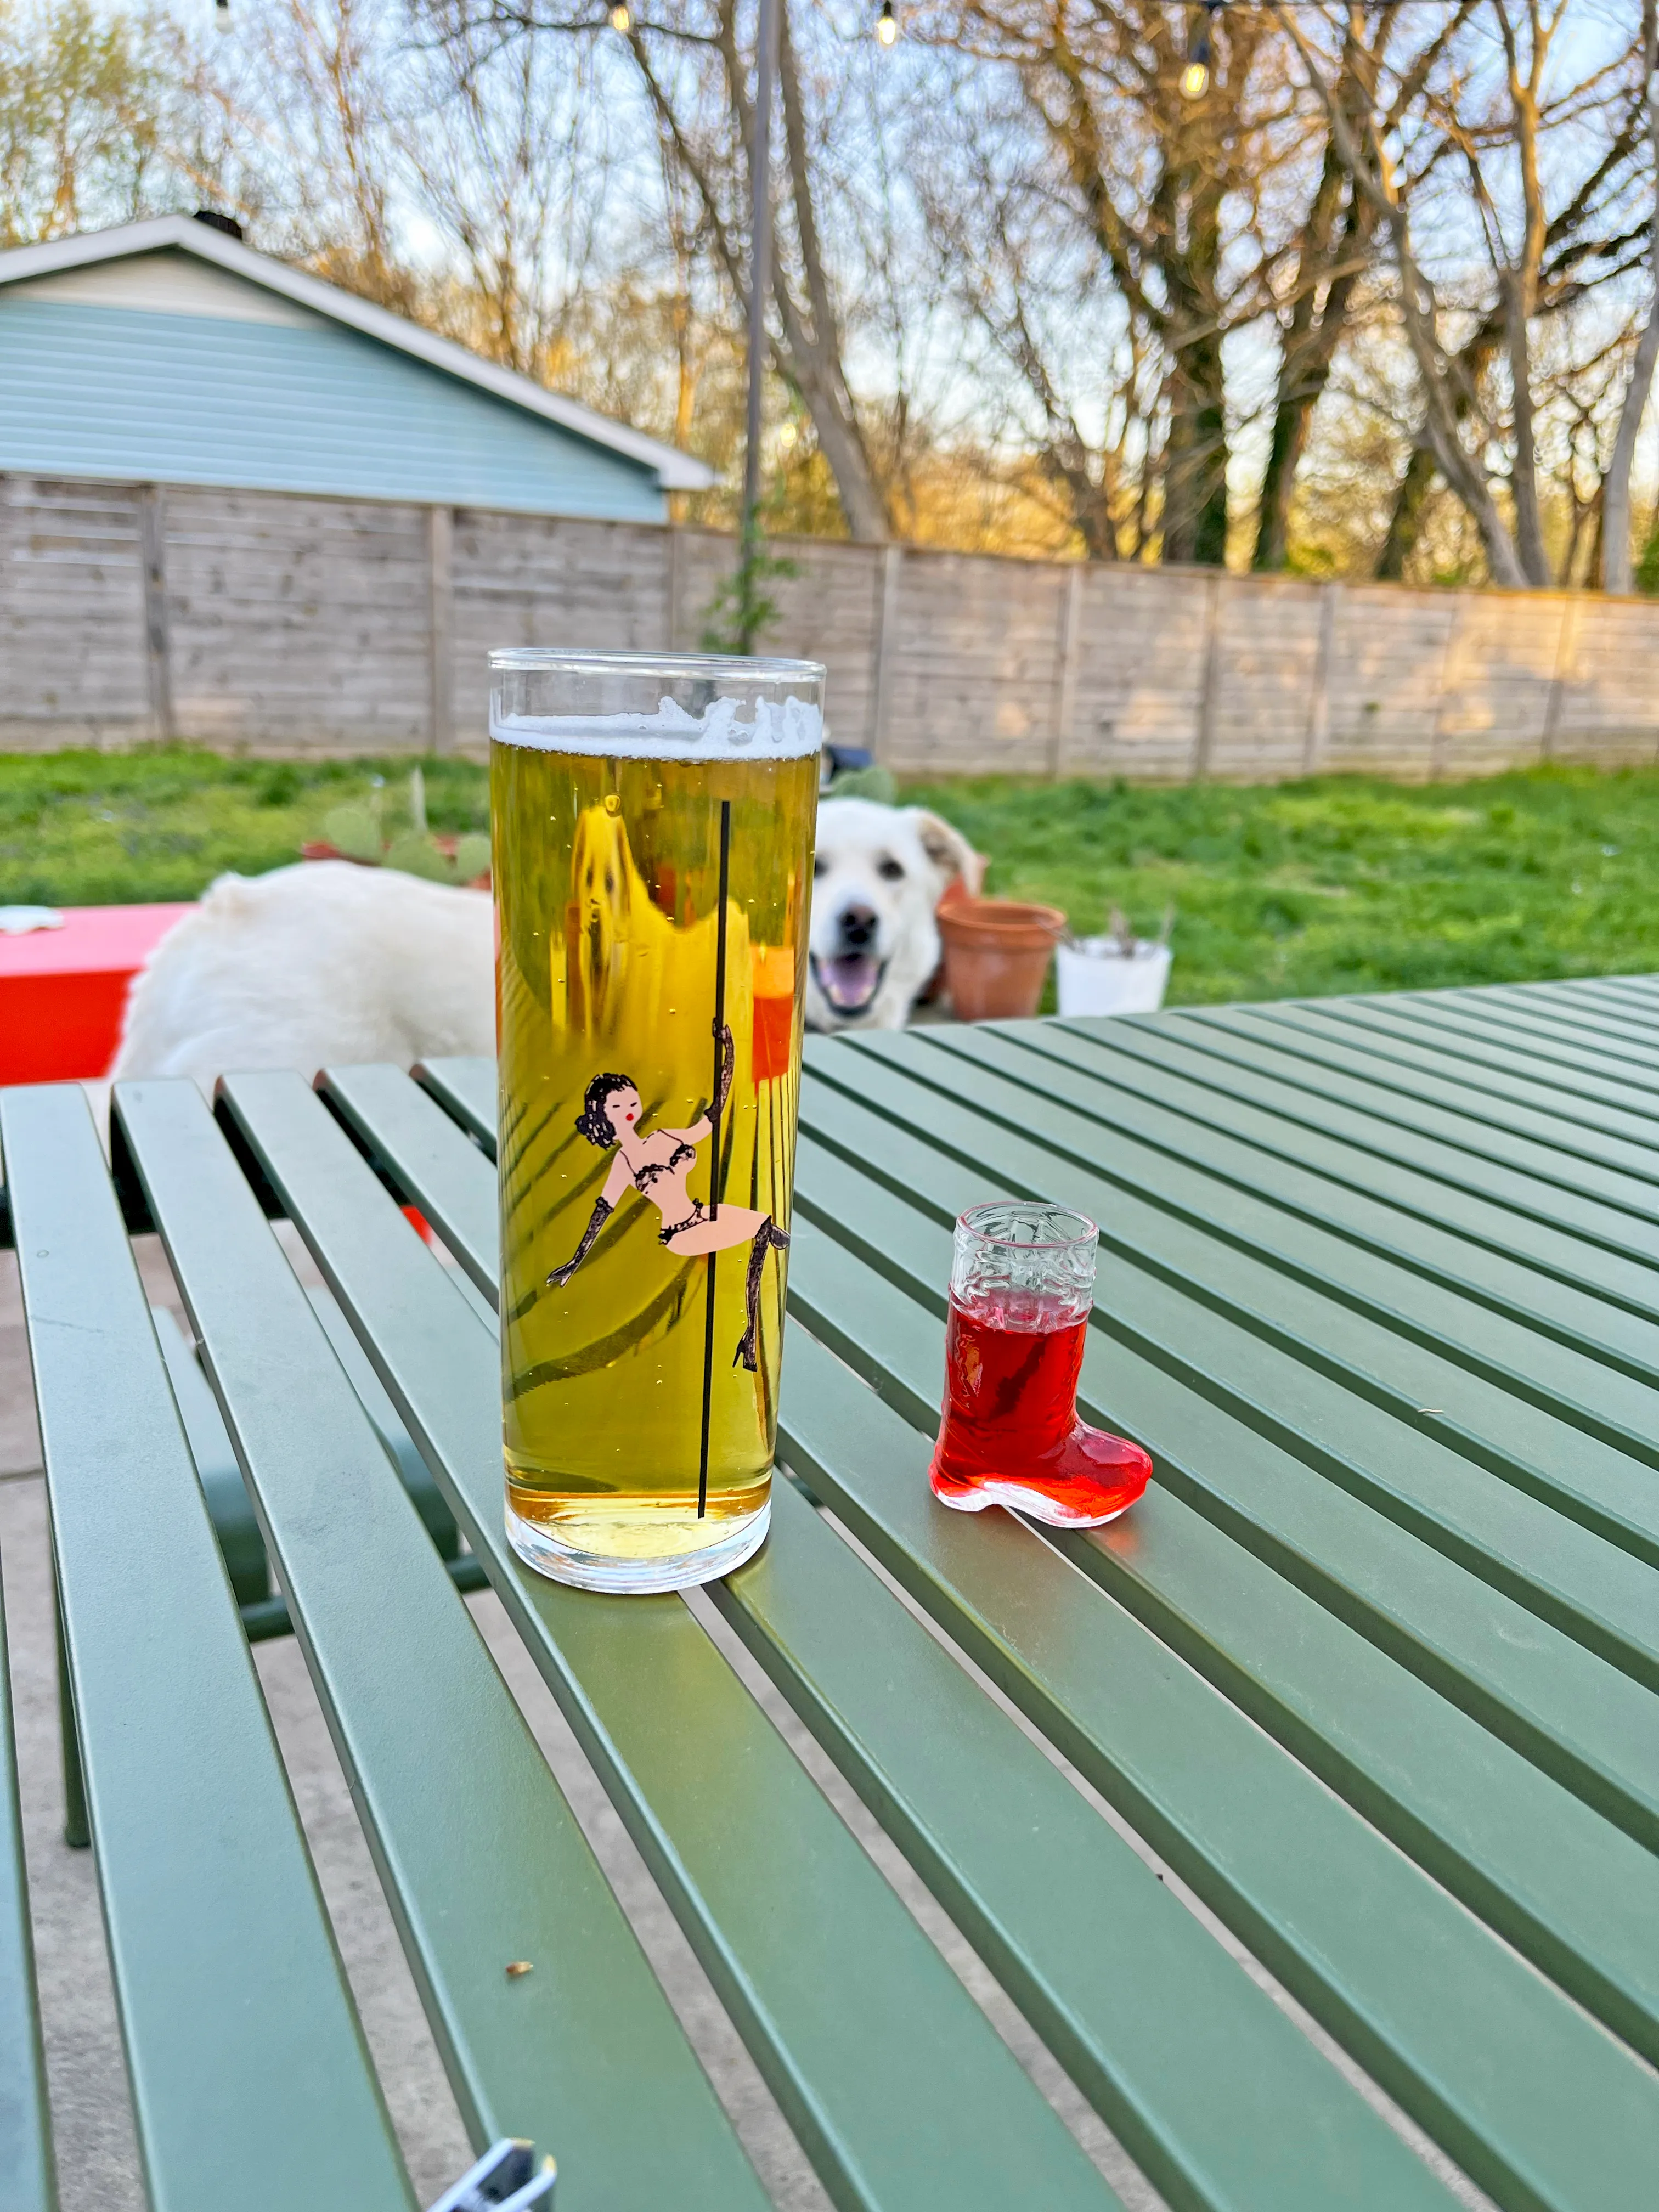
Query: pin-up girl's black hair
x,y
593,1123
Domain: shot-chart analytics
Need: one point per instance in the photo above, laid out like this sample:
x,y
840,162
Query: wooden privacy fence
x,y
282,624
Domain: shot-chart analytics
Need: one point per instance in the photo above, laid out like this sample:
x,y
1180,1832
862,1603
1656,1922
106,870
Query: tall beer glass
x,y
653,819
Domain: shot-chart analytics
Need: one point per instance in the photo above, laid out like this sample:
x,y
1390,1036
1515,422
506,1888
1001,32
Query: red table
x,y
62,991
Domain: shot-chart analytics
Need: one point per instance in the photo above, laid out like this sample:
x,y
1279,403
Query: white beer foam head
x,y
779,729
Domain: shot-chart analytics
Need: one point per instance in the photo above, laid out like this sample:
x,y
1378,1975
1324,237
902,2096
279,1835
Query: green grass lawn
x,y
1285,891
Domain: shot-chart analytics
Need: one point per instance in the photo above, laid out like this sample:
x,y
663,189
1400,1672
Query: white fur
x,y
893,863
321,964
328,965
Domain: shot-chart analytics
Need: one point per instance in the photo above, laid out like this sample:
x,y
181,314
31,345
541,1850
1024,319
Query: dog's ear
x,y
949,850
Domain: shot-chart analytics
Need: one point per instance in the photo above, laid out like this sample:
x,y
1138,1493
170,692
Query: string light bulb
x,y
221,14
622,21
1195,77
886,24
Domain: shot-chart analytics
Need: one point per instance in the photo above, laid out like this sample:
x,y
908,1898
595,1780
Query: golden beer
x,y
653,872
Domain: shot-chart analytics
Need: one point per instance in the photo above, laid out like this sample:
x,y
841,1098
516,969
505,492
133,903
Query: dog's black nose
x,y
858,926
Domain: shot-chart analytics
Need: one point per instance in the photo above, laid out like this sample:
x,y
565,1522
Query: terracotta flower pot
x,y
996,955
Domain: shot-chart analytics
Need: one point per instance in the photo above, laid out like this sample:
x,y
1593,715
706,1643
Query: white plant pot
x,y
1094,978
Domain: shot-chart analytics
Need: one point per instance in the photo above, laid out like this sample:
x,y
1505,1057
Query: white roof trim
x,y
675,471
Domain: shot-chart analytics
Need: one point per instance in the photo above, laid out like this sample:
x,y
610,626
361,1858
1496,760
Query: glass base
x,y
976,1497
540,1548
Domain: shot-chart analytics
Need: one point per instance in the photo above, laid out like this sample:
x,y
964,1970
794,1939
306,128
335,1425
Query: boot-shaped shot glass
x,y
1022,1287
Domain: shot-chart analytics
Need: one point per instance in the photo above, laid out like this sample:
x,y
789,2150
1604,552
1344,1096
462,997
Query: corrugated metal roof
x,y
99,390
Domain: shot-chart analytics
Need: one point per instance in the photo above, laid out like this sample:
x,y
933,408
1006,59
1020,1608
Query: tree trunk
x,y
1469,364
1411,503
815,359
1309,349
841,443
1291,418
807,345
1196,458
1615,490
1532,560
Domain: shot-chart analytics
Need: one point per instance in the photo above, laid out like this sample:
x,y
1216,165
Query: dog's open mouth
x,y
850,982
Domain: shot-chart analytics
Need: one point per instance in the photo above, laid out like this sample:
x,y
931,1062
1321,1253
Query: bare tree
x,y
102,118
320,82
1157,190
693,67
1334,249
508,158
1492,138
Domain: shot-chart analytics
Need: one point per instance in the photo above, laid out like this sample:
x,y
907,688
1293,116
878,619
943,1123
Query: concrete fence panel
x,y
284,624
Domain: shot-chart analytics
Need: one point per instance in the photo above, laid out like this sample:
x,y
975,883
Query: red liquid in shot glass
x,y
1011,1434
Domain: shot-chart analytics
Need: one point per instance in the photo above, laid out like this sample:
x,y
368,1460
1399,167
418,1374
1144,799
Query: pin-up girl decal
x,y
656,1167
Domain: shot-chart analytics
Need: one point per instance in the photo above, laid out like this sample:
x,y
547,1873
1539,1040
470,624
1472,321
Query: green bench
x,y
1372,1669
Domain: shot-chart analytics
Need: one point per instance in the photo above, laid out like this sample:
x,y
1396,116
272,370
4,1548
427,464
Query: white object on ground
x,y
19,920
1094,976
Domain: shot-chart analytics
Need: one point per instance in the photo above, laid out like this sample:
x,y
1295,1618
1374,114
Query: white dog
x,y
880,872
322,963
326,963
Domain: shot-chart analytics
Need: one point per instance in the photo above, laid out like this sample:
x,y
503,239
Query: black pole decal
x,y
714,1170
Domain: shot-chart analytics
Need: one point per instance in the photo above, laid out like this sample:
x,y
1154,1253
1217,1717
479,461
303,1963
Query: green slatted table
x,y
1373,1669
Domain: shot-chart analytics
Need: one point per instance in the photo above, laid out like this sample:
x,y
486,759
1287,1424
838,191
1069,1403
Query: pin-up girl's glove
x,y
561,1276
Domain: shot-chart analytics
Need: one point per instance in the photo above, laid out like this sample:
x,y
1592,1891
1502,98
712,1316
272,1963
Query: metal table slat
x,y
1416,1231
1634,995
1589,1037
405,1128
239,2031
1414,1034
1407,1093
898,2088
1535,2102
482,1860
1536,1450
26,2164
465,1088
1326,1074
1418,1212
1554,1570
1278,1636
1396,1062
1591,1952
1537,1219
1222,2100
231,1509
1157,1201
1570,1079
1249,2115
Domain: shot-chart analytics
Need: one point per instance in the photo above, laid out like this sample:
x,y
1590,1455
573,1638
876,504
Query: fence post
x,y
886,631
158,646
1319,701
1204,748
440,555
1071,638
